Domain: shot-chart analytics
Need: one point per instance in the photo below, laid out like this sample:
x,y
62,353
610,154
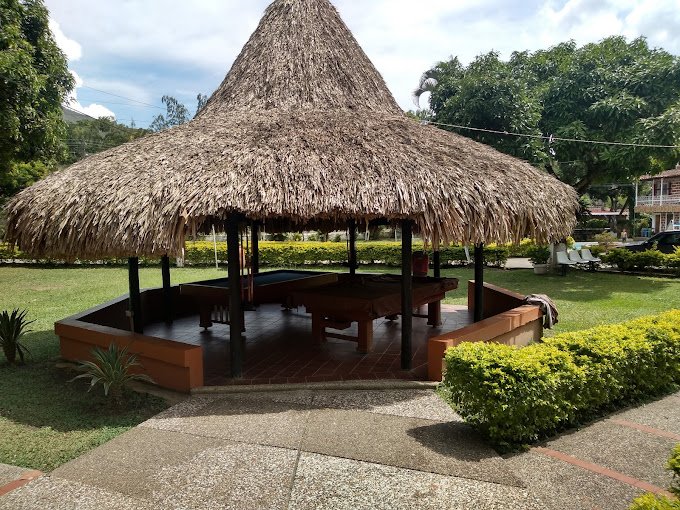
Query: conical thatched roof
x,y
303,129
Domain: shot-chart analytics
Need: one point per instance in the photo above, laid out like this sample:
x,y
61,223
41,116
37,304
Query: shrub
x,y
596,223
605,239
112,368
626,260
12,328
652,502
516,395
539,254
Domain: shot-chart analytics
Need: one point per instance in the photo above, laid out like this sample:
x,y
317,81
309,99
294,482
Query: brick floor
x,y
279,348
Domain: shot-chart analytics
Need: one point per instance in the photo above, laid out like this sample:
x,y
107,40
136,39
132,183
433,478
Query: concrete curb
x,y
322,386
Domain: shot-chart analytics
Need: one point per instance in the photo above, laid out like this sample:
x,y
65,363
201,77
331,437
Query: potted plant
x,y
539,256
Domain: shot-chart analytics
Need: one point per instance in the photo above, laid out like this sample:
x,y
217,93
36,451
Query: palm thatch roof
x,y
304,129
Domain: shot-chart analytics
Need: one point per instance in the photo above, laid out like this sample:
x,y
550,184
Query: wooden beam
x,y
168,311
235,304
255,246
406,294
352,226
479,282
437,263
135,312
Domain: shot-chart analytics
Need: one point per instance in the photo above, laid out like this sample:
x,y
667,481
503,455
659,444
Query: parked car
x,y
666,242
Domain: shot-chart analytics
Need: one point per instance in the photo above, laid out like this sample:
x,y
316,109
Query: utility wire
x,y
122,97
551,137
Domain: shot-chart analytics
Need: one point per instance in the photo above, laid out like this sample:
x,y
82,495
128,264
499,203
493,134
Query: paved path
x,y
391,449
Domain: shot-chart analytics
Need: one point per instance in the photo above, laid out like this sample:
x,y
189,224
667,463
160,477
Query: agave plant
x,y
112,368
12,328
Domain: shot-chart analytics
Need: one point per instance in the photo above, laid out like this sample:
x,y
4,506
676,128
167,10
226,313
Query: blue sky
x,y
143,49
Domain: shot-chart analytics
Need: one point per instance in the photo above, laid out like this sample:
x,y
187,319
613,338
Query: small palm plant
x,y
112,368
12,328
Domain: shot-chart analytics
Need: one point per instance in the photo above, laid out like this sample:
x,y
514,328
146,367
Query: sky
x,y
127,54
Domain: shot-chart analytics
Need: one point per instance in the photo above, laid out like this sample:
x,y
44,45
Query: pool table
x,y
268,287
364,298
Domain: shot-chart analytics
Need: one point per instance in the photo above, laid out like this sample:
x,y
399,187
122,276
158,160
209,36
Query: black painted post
x,y
235,305
168,312
437,263
479,282
406,294
255,247
352,226
135,296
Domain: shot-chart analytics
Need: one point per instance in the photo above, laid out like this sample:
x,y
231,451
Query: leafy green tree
x,y
34,81
176,114
201,100
91,136
613,90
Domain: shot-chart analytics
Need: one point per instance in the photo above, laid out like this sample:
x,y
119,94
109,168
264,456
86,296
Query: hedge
x,y
292,254
515,396
283,254
652,502
627,260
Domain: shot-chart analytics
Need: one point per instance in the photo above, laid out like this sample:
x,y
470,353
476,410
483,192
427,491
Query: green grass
x,y
583,299
46,421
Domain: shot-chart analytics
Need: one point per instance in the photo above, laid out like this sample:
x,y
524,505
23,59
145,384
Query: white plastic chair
x,y
564,261
588,256
575,257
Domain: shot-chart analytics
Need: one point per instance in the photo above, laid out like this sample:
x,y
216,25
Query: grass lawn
x,y
583,299
46,421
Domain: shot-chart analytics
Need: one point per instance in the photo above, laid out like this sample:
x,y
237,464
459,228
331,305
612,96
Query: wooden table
x,y
364,298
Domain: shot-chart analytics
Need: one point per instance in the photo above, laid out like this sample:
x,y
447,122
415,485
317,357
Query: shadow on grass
x,y
39,394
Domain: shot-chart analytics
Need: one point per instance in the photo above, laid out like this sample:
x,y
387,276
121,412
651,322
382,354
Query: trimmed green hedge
x,y
284,254
626,260
292,254
515,396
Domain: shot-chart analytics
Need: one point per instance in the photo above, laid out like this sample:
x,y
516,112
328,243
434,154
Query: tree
x,y
176,113
91,136
34,81
613,90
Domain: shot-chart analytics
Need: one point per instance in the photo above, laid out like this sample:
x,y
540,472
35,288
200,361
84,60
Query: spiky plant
x,y
12,327
112,368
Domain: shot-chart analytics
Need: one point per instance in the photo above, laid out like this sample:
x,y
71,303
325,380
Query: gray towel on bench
x,y
547,307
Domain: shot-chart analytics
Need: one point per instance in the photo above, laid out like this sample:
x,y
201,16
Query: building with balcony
x,y
661,199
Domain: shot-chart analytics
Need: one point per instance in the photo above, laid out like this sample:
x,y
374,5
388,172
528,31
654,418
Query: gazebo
x,y
302,132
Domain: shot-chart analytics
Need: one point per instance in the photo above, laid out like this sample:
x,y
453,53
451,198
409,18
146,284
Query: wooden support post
x,y
255,246
168,312
479,282
135,296
235,305
406,294
437,263
352,226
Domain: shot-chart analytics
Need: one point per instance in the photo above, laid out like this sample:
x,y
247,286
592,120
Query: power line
x,y
551,137
122,97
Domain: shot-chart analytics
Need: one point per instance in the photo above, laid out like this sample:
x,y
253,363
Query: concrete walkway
x,y
335,449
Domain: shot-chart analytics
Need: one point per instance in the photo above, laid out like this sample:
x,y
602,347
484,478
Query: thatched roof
x,y
302,128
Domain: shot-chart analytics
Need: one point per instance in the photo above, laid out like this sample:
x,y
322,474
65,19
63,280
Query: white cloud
x,y
196,42
71,48
93,109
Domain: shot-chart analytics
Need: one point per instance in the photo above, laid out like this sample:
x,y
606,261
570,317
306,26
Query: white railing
x,y
658,200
